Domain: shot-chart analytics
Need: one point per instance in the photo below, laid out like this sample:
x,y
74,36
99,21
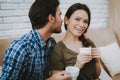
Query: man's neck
x,y
45,33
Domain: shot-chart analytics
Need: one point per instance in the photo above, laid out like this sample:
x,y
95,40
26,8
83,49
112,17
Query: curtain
x,y
114,22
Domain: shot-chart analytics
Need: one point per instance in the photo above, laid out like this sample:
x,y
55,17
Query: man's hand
x,y
63,75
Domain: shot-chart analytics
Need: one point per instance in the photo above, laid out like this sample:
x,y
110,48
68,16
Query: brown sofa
x,y
101,37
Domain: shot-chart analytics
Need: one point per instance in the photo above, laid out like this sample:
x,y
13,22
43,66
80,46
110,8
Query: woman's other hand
x,y
95,53
82,59
63,75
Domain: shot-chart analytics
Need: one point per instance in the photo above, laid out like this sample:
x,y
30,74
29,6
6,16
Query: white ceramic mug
x,y
74,71
84,50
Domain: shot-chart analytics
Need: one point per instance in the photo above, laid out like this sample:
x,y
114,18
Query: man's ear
x,y
66,20
51,18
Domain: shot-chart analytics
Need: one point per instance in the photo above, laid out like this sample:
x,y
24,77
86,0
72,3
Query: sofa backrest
x,y
4,43
100,37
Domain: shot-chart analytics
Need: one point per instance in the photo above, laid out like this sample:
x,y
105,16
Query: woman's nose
x,y
81,24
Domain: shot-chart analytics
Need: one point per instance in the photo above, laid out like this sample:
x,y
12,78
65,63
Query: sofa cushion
x,y
110,55
104,75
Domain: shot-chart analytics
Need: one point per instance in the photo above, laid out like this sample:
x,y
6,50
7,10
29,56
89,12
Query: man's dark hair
x,y
40,11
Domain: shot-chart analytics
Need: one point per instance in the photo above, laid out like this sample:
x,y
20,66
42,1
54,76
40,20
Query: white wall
x,y
14,19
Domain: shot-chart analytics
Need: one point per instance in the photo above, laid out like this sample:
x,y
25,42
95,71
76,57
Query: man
x,y
27,57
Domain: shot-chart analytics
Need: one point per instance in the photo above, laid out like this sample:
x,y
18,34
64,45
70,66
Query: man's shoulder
x,y
22,41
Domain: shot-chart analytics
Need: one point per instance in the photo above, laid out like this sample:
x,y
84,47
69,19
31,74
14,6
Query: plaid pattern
x,y
27,58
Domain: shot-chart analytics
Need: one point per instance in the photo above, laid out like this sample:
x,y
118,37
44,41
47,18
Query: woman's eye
x,y
77,19
85,21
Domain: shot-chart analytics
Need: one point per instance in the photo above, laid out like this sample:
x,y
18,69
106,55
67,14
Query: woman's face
x,y
77,23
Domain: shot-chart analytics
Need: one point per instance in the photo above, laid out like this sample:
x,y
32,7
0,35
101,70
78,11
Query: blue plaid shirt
x,y
27,58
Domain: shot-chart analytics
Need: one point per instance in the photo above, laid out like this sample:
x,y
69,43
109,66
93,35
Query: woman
x,y
66,52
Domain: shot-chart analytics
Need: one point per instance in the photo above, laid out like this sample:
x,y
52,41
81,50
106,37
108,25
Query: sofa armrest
x,y
4,43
